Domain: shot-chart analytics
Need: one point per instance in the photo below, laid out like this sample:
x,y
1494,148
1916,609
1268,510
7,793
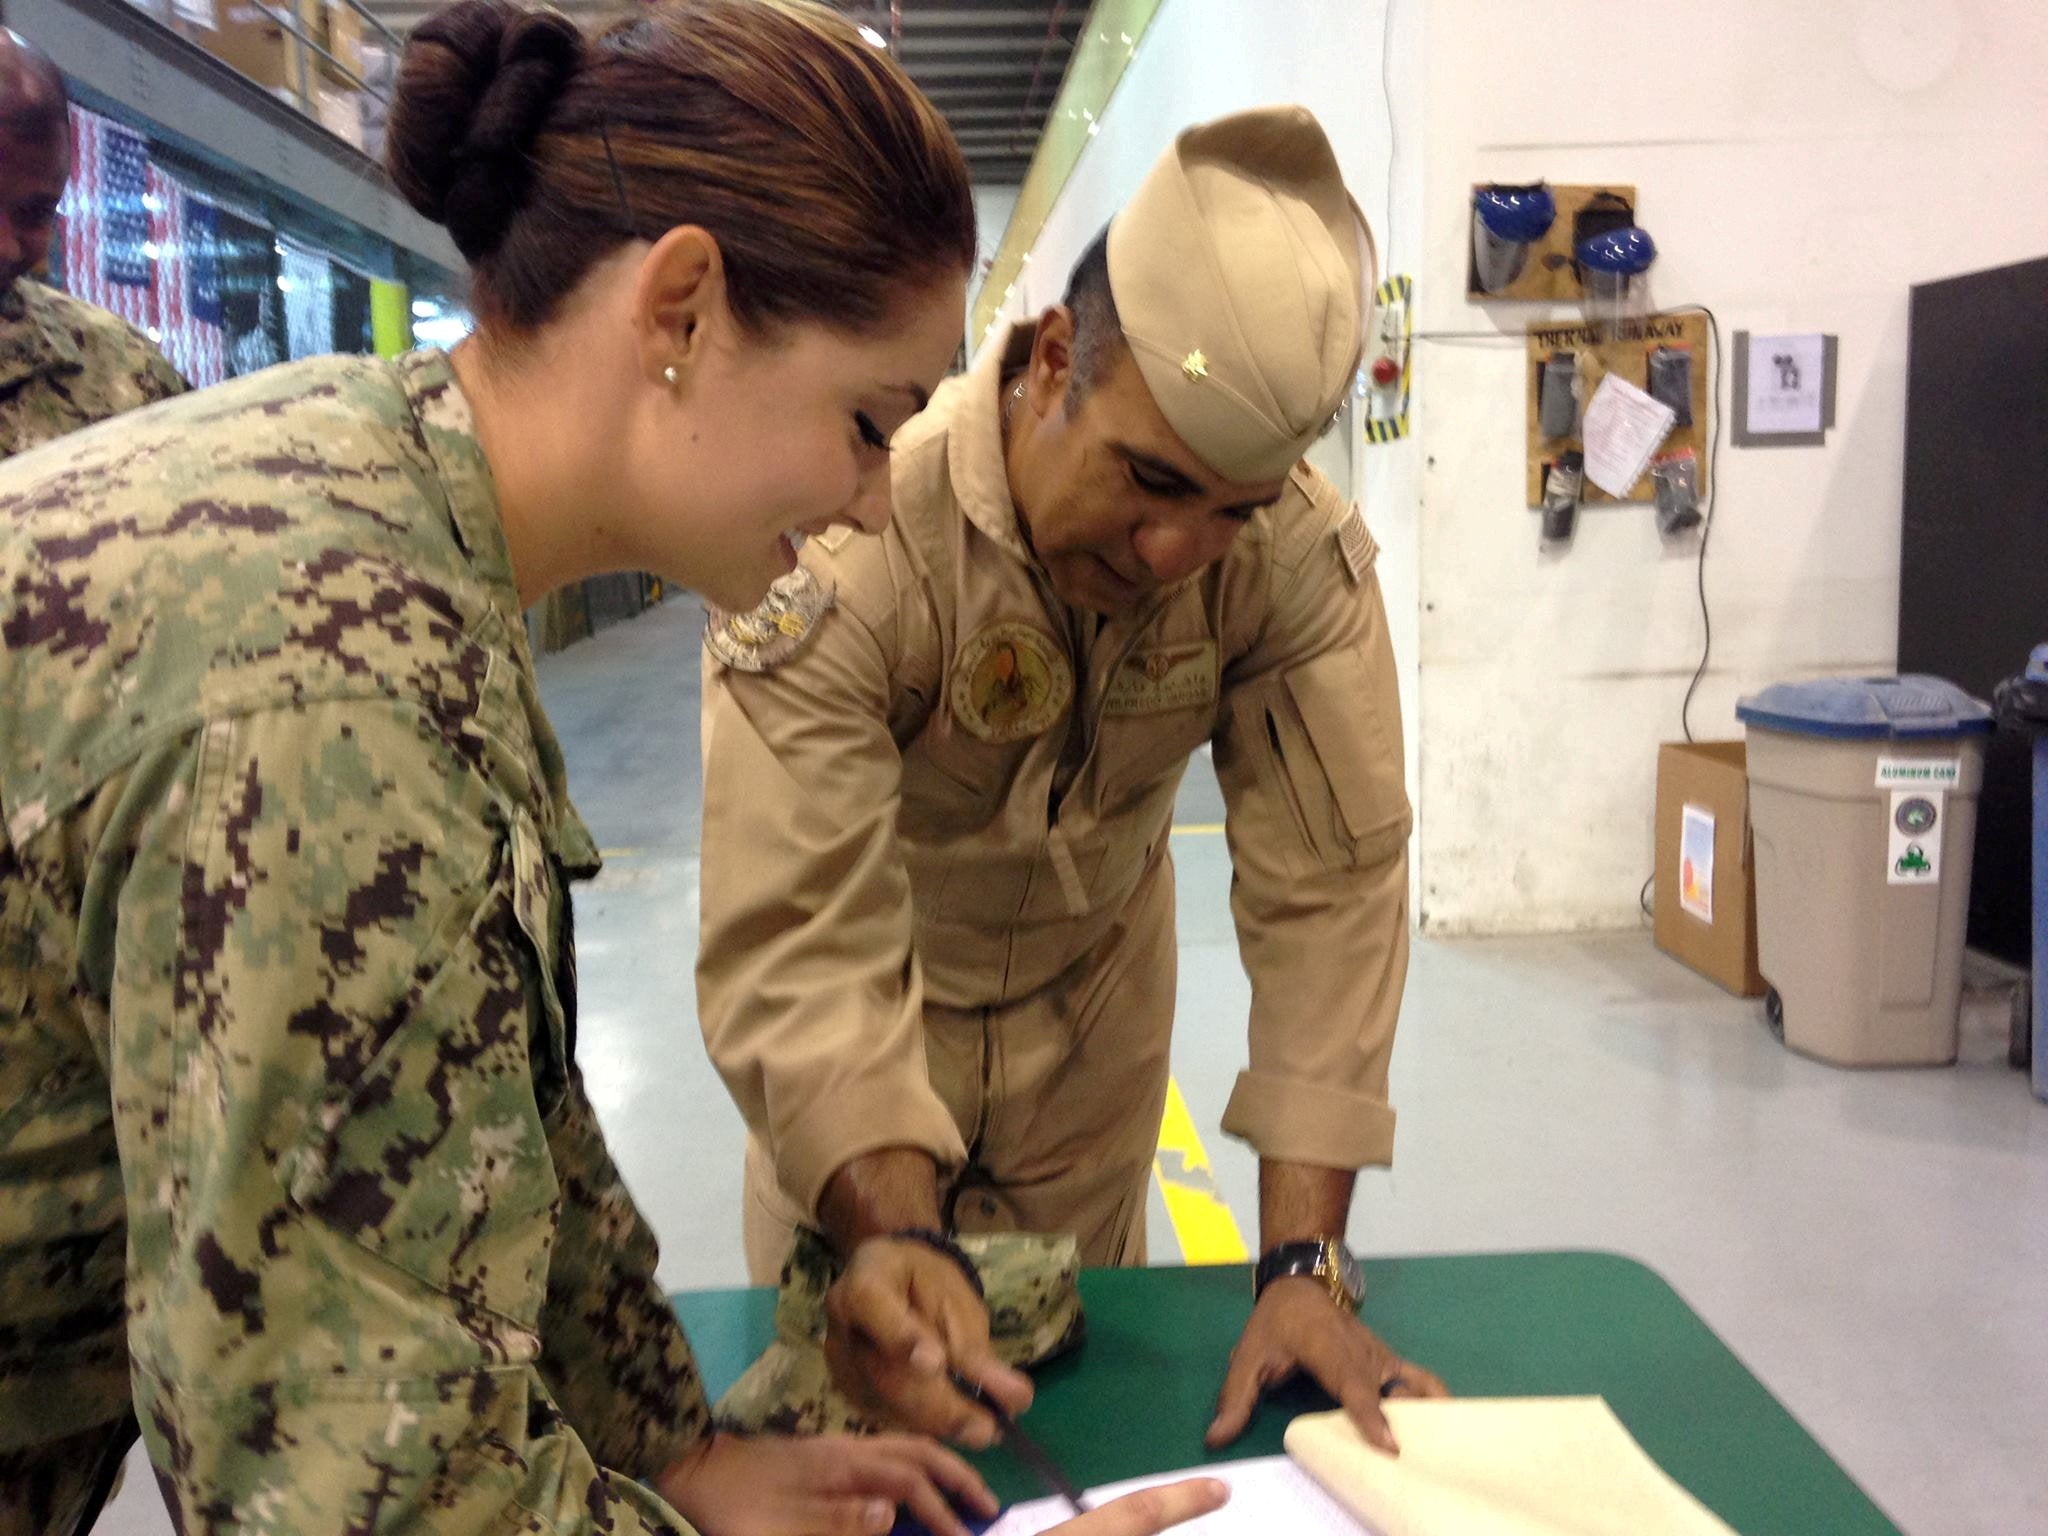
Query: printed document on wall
x,y
1786,375
1623,428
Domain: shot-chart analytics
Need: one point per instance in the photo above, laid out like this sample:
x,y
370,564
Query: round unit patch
x,y
1010,681
766,636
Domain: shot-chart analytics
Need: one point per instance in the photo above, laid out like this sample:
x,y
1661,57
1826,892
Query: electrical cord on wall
x,y
1718,367
1387,96
1720,364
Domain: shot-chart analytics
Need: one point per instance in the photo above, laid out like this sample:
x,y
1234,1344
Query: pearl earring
x,y
671,376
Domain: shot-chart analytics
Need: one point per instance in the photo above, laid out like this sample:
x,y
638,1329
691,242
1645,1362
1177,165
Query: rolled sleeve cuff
x,y
856,1123
1291,1120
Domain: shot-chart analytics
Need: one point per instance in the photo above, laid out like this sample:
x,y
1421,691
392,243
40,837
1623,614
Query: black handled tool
x,y
1027,1450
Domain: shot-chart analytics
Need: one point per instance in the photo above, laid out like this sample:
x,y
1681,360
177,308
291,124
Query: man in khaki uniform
x,y
64,364
938,956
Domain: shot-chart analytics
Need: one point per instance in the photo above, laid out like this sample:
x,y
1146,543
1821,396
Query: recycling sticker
x,y
1914,855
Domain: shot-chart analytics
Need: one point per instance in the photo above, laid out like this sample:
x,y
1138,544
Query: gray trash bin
x,y
1863,804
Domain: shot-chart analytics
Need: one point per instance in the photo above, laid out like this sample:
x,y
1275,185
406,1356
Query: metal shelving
x,y
125,56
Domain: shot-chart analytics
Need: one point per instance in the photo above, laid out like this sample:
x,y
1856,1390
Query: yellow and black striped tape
x,y
1396,290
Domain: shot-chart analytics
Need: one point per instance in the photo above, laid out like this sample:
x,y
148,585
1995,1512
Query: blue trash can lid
x,y
1867,708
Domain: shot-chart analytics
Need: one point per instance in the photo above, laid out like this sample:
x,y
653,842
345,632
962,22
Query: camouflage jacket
x,y
65,364
287,990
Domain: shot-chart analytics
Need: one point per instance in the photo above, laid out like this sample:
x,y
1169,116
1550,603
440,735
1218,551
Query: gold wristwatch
x,y
1325,1258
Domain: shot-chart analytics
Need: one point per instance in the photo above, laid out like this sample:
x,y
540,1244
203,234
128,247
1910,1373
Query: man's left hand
x,y
1297,1327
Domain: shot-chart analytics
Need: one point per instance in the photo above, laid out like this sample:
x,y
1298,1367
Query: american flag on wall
x,y
188,282
137,243
109,249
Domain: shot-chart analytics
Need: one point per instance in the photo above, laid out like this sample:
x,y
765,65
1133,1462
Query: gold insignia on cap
x,y
764,637
1243,233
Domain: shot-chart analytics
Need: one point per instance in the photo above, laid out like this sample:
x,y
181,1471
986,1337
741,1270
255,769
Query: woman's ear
x,y
678,298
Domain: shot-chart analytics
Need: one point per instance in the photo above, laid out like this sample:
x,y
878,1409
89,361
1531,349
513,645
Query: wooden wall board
x,y
1550,275
1623,347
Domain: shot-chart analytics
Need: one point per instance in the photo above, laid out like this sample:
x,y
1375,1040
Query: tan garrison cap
x,y
1034,1315
1242,272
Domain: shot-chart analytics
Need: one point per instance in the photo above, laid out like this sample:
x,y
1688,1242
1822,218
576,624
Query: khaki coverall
x,y
938,903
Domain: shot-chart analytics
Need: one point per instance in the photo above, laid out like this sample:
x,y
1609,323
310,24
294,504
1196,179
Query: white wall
x,y
992,209
1205,58
1799,166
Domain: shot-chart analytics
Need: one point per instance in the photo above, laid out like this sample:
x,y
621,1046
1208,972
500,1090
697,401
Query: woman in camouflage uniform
x,y
295,1164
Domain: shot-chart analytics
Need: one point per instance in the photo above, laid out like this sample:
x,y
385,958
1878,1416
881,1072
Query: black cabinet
x,y
1973,563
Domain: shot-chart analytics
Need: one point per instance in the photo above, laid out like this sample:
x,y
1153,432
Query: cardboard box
x,y
340,111
1706,865
250,39
249,36
345,42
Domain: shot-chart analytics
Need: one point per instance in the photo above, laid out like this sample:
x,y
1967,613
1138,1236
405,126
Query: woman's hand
x,y
829,1485
1150,1510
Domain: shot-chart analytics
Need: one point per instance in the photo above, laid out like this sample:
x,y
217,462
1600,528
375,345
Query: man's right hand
x,y
1149,1510
901,1321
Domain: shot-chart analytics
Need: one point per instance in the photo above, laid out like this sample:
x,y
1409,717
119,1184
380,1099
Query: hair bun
x,y
474,91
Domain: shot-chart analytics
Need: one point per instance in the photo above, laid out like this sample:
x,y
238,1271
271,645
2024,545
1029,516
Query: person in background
x,y
938,962
64,364
296,1167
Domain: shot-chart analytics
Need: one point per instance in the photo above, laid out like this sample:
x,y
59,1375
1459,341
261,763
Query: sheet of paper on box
x,y
1622,429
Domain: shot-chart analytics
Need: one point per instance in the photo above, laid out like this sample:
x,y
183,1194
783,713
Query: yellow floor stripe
x,y
1202,1221
1199,829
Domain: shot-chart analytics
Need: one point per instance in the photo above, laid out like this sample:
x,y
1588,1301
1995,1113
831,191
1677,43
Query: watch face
x,y
1349,1273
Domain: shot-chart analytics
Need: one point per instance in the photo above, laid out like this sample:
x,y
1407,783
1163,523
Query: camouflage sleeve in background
x,y
349,1137
66,364
155,377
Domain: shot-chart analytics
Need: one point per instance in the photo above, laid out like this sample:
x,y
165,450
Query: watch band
x,y
1320,1258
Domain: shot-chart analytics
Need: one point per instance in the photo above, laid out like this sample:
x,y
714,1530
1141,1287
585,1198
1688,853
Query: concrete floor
x,y
1873,1245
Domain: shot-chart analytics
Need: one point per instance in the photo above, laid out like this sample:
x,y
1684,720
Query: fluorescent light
x,y
444,331
873,37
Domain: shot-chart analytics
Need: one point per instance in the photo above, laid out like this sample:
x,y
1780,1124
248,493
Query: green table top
x,y
1137,1396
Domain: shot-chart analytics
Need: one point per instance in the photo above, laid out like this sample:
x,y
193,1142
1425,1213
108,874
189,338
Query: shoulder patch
x,y
1354,544
766,636
1010,681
